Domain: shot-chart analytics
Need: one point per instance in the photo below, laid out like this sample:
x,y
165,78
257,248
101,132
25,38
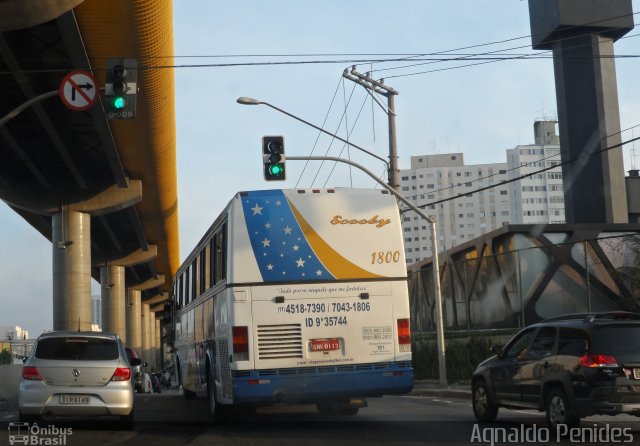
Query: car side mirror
x,y
135,362
24,359
496,349
144,364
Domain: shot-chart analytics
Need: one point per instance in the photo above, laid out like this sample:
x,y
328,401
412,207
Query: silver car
x,y
77,374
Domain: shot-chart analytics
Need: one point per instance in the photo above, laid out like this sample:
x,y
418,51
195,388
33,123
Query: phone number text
x,y
324,307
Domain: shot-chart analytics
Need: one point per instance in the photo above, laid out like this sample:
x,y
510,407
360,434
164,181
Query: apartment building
x,y
470,200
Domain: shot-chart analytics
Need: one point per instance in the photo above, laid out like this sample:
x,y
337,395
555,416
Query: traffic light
x,y
273,158
121,87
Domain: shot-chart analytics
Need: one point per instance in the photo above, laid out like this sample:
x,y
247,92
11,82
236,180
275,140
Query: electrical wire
x,y
335,93
514,168
332,140
520,38
346,145
512,180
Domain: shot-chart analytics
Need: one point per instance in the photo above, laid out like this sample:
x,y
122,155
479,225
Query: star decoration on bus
x,y
257,210
271,224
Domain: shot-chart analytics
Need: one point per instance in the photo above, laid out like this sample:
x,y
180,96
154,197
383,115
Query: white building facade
x,y
538,198
96,313
470,200
13,332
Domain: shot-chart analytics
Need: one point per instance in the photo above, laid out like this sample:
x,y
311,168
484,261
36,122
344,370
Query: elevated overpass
x,y
104,192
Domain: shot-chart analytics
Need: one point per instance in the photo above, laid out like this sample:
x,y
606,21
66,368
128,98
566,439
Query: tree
x,y
5,357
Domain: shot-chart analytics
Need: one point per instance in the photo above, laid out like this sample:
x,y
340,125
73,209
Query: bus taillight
x,y
240,343
404,335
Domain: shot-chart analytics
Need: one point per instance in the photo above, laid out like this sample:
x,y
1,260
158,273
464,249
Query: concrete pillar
x,y
134,320
146,333
581,34
152,339
158,344
71,241
113,303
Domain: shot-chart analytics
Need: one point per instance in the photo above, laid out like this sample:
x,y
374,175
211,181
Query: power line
x,y
520,38
335,93
524,56
512,180
516,168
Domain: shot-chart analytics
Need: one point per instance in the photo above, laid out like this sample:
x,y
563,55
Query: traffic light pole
x,y
442,365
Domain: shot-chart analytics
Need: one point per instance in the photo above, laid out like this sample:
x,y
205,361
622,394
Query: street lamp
x,y
436,267
244,100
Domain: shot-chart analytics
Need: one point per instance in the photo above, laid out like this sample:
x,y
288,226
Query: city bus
x,y
295,296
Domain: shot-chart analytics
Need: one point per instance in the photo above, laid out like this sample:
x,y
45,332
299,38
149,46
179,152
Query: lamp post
x,y
436,268
251,101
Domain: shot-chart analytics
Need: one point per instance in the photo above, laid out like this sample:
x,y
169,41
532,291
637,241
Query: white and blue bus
x,y
296,296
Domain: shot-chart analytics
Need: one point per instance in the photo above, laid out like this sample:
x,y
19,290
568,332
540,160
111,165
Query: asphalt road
x,y
167,419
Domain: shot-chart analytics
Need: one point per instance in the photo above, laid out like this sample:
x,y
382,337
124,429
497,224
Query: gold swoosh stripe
x,y
337,265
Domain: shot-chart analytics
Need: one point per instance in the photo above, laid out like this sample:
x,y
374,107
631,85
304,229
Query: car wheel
x,y
559,411
483,406
127,422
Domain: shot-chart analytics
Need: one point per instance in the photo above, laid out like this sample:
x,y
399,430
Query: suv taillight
x,y
598,361
404,335
31,373
121,374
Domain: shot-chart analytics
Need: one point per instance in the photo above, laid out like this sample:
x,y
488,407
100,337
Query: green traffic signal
x,y
275,169
273,158
121,88
119,102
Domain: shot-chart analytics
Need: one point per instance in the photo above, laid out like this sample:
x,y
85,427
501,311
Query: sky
x,y
480,110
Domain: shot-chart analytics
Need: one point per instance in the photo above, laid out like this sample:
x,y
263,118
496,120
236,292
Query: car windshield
x,y
617,338
77,348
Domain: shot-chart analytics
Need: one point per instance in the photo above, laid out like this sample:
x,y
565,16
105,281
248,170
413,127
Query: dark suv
x,y
570,366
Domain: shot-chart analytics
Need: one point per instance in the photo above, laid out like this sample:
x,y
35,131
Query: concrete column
x,y
134,320
159,361
146,333
71,241
152,339
113,303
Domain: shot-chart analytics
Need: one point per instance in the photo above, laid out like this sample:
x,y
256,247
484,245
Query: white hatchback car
x,y
77,374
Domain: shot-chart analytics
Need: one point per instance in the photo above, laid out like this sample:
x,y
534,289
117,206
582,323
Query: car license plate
x,y
324,345
636,373
74,399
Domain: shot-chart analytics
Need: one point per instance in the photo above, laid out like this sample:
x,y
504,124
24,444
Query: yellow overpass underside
x,y
142,29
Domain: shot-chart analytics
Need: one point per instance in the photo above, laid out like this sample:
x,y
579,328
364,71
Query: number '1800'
x,y
385,257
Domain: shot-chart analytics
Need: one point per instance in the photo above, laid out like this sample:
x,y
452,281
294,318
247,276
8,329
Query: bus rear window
x,y
77,348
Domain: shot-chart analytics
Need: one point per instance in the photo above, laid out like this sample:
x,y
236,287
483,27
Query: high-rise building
x,y
470,200
538,198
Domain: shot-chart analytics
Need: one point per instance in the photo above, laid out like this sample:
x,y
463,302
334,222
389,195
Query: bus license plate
x,y
75,399
325,345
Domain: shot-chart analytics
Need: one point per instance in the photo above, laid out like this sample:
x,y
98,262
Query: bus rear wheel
x,y
219,412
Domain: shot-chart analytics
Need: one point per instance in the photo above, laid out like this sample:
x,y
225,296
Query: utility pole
x,y
373,86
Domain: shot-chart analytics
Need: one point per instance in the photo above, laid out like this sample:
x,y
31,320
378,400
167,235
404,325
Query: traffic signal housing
x,y
273,158
121,87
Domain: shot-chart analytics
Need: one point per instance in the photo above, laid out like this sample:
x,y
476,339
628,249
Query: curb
x,y
442,392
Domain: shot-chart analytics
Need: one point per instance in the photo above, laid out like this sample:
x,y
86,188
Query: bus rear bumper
x,y
305,385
